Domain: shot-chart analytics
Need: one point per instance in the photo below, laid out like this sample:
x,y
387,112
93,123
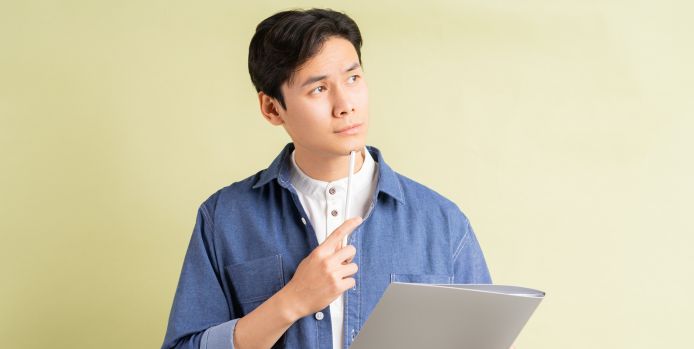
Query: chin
x,y
347,147
336,147
343,149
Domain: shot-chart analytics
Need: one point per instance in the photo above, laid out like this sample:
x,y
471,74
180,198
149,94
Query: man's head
x,y
306,68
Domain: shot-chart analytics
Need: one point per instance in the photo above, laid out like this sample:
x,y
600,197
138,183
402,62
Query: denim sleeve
x,y
469,265
200,316
220,336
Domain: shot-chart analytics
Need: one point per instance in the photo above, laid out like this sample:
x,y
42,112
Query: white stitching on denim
x,y
463,242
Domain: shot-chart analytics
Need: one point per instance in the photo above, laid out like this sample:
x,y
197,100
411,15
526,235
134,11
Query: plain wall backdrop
x,y
562,129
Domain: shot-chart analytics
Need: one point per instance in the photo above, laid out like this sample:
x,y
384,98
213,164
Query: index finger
x,y
336,237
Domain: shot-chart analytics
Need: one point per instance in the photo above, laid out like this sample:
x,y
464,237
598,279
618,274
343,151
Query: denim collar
x,y
388,182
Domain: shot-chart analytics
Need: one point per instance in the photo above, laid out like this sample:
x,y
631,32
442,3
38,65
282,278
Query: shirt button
x,y
303,220
334,213
353,334
332,191
319,315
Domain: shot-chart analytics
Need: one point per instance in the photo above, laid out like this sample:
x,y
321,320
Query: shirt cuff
x,y
220,336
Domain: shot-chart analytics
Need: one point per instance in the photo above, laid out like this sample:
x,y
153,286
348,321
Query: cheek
x,y
362,96
309,114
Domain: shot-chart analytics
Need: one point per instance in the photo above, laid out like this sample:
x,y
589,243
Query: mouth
x,y
351,129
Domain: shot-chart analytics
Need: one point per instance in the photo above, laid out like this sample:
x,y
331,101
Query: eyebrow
x,y
322,77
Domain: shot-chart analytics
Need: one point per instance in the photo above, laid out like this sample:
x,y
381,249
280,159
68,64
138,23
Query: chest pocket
x,y
255,281
421,278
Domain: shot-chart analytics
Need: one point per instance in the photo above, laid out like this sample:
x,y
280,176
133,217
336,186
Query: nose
x,y
342,104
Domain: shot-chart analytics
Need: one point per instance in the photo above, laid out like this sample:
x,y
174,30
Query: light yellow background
x,y
562,128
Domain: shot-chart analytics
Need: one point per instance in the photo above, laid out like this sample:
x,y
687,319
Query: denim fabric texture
x,y
249,238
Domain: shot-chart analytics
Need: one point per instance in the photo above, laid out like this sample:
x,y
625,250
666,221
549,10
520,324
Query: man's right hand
x,y
324,274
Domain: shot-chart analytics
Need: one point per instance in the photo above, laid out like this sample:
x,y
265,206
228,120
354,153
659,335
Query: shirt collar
x,y
388,181
316,188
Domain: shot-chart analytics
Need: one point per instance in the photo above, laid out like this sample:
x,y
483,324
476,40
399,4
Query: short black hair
x,y
286,40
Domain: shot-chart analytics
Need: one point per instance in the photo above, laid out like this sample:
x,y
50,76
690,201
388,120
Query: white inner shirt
x,y
324,203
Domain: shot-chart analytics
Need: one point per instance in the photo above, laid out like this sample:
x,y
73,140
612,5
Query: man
x,y
265,266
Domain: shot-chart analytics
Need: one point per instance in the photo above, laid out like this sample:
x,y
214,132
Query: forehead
x,y
333,58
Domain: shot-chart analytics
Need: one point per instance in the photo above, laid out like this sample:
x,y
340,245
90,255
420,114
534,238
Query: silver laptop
x,y
447,316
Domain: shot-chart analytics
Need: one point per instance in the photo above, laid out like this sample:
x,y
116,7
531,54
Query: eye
x,y
353,78
321,88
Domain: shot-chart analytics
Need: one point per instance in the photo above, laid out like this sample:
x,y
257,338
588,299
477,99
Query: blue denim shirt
x,y
249,238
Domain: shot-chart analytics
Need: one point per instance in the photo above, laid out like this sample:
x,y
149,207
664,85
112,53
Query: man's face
x,y
327,102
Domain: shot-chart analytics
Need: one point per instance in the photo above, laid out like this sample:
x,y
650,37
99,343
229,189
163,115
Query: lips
x,y
350,127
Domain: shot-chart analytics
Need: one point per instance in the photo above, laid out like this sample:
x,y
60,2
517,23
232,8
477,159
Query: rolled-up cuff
x,y
220,336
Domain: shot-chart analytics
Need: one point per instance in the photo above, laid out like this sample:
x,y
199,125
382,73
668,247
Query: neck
x,y
326,168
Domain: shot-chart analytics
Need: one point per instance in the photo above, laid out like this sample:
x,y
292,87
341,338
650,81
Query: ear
x,y
269,107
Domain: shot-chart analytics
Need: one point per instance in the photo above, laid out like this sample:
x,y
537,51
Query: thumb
x,y
336,237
